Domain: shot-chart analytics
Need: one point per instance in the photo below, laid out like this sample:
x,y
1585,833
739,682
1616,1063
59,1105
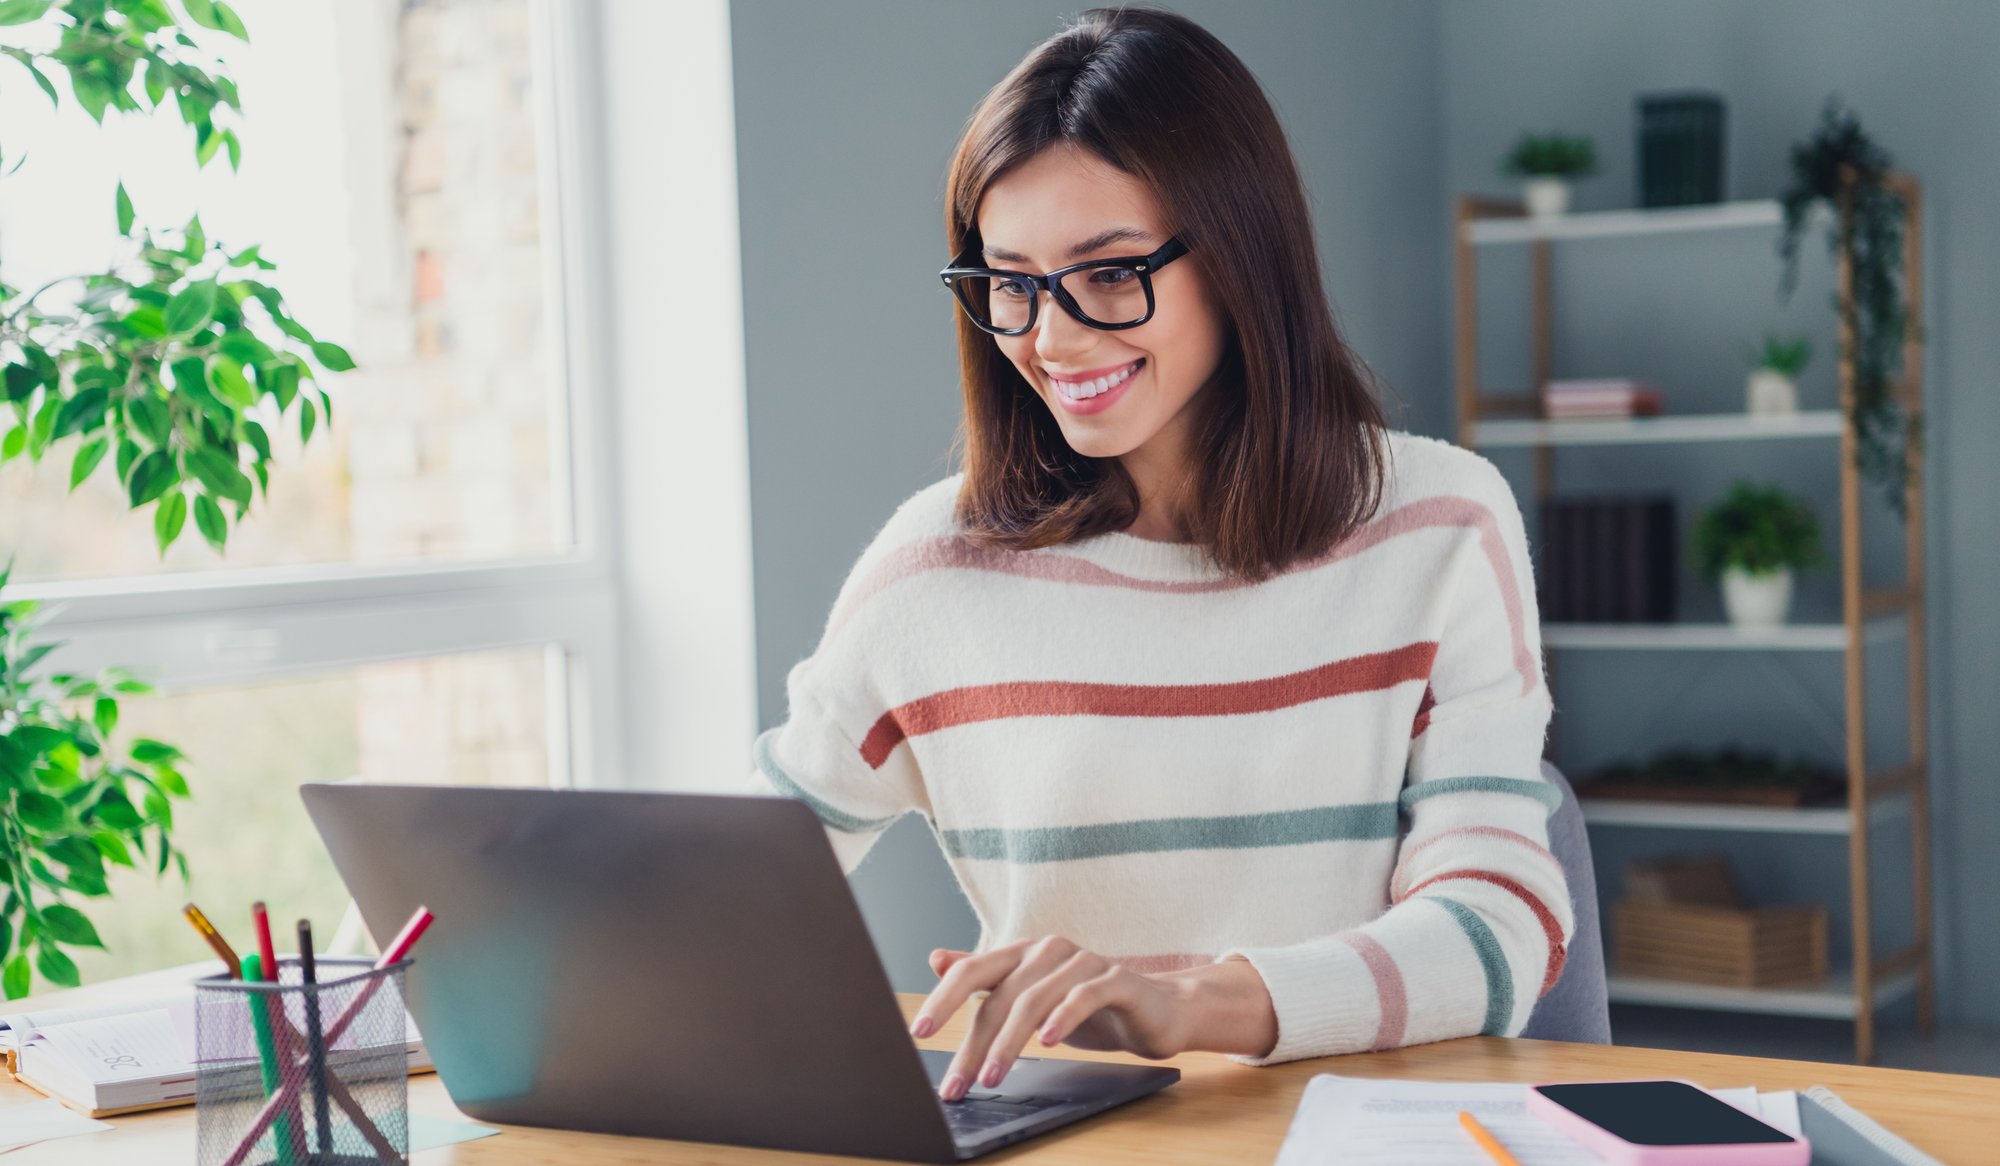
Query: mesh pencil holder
x,y
297,1074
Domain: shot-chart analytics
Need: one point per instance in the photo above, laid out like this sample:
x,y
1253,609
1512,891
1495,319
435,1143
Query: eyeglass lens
x,y
1107,295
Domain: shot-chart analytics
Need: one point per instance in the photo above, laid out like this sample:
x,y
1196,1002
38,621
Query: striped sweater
x,y
1334,773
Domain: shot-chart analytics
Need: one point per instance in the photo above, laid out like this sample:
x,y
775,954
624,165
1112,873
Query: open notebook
x,y
138,1054
1358,1121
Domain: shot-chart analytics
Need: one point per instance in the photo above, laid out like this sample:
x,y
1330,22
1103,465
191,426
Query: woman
x,y
1163,664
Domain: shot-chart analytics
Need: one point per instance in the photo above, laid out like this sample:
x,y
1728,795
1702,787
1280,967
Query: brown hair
x,y
1286,449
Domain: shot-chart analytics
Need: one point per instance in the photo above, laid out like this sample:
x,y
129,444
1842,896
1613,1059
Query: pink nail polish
x,y
1049,1035
953,1087
990,1075
922,1027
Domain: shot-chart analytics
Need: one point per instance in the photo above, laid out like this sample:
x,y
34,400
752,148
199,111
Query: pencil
x,y
1486,1140
215,941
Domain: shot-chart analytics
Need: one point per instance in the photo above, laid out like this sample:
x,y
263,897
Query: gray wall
x,y
846,116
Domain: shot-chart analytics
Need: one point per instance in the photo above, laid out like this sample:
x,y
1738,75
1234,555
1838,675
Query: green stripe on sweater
x,y
1541,791
1364,821
1499,983
838,819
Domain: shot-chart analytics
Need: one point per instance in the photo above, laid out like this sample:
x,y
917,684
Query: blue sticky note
x,y
428,1132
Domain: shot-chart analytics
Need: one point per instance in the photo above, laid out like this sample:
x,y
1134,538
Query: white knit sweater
x,y
1118,744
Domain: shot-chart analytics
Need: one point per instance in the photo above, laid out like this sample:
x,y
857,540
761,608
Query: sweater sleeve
x,y
1479,911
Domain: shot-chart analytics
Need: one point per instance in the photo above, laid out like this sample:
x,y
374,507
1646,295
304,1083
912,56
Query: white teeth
x,y
1083,391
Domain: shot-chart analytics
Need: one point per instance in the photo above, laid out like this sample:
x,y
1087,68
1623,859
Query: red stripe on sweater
x,y
1423,720
1551,927
1042,698
1410,853
1055,566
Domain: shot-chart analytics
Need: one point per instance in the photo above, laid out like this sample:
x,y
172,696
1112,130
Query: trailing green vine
x,y
1877,316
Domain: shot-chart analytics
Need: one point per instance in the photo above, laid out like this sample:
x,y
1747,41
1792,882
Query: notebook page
x,y
1357,1121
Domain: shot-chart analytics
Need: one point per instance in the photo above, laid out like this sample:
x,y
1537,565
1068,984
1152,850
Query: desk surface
x,y
1220,1111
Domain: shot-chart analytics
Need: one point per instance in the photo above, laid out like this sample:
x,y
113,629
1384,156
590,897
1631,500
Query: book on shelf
x,y
1602,397
1607,559
118,1058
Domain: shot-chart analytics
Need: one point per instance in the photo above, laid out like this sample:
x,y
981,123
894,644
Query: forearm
x,y
1225,1008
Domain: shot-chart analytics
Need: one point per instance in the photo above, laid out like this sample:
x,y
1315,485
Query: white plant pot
x,y
1756,600
1547,198
1771,392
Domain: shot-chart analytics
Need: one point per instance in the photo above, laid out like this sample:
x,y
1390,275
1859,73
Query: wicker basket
x,y
1741,947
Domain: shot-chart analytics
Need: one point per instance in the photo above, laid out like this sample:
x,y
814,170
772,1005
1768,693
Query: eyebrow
x,y
1095,242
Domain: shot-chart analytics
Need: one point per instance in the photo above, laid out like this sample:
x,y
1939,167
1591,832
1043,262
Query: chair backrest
x,y
1578,1007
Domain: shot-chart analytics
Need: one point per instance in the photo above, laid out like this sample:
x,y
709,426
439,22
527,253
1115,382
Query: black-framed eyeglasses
x,y
1113,293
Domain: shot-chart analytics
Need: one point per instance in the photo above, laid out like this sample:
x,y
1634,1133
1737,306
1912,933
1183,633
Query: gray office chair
x,y
1578,1008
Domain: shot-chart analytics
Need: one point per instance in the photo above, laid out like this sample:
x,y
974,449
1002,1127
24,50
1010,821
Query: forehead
x,y
1058,198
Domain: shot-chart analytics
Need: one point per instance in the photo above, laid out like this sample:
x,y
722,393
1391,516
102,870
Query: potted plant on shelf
x,y
1753,540
1773,386
164,370
1546,163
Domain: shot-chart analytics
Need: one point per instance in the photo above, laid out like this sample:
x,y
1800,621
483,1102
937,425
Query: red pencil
x,y
266,950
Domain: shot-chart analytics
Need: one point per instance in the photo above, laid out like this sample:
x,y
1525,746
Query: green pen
x,y
283,1132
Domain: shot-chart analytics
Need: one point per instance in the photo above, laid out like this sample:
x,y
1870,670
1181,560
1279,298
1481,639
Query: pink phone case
x,y
1617,1150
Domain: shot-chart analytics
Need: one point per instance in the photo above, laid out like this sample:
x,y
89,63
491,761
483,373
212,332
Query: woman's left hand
x,y
1051,990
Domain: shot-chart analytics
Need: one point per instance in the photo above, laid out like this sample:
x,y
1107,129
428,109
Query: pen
x,y
315,1039
1486,1140
282,1033
267,952
214,938
267,1055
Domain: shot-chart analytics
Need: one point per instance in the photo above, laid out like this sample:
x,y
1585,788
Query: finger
x,y
1035,962
961,980
943,958
1031,1008
1083,1001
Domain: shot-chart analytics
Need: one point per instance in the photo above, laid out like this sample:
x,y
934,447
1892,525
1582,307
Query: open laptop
x,y
667,965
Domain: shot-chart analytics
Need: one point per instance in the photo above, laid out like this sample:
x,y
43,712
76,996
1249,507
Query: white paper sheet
x,y
118,1048
38,1121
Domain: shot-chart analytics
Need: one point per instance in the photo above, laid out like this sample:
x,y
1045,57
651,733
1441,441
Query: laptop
x,y
667,965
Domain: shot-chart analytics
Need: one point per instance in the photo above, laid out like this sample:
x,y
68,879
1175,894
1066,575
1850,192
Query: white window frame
x,y
237,626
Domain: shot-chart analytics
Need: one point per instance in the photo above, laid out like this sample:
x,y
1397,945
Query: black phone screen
x,y
1661,1113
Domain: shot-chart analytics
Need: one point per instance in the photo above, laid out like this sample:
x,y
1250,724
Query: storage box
x,y
1740,947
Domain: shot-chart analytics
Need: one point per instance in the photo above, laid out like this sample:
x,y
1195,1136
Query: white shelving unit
x,y
1871,617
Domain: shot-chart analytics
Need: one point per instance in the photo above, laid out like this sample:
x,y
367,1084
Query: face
x,y
1028,221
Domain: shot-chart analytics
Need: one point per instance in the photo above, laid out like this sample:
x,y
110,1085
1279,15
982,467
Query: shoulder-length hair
x,y
1287,451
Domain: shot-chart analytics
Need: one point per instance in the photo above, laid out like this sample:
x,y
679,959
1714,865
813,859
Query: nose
x,y
1057,333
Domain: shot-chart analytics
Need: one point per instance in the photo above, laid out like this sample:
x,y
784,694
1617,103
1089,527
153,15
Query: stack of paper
x,y
1359,1121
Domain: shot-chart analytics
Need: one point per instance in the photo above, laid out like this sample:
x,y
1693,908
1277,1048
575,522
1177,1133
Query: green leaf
x,y
149,751
208,517
87,457
22,11
16,440
202,12
39,810
115,810
21,381
14,977
246,256
230,24
226,377
104,714
307,416
125,214
151,417
66,924
56,968
151,477
221,475
157,81
83,411
171,780
332,356
112,847
196,240
234,147
168,518
27,60
258,439
192,308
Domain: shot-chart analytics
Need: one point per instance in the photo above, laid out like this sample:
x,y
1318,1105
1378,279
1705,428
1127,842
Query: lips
x,y
1116,384
1097,382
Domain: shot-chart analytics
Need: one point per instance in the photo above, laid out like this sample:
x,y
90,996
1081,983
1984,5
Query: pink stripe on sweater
x,y
1388,988
1409,855
955,552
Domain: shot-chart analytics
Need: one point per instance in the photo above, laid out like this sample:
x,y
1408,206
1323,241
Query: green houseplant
x,y
1773,386
166,370
1752,541
1547,163
1837,153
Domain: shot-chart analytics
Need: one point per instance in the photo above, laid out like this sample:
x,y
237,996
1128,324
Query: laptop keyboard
x,y
980,1112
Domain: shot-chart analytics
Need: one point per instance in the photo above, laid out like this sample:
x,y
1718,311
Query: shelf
x,y
1716,816
1832,997
1808,637
1721,216
1686,427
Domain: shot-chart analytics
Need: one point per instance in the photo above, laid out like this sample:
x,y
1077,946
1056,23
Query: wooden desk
x,y
1219,1111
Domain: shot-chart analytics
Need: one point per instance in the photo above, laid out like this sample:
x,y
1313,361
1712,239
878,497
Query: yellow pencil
x,y
1486,1140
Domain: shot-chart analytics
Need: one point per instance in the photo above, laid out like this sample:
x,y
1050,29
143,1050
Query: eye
x,y
1113,277
1012,289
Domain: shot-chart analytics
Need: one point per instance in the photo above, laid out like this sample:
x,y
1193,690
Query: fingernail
x,y
953,1087
990,1075
1049,1035
922,1026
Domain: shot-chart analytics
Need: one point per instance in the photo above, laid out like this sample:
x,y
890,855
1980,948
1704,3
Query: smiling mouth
x,y
1085,390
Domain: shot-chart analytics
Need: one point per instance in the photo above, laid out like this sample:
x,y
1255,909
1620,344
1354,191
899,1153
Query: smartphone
x,y
1663,1123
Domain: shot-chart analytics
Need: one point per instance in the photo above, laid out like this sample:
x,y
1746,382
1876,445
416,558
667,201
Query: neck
x,y
1157,473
